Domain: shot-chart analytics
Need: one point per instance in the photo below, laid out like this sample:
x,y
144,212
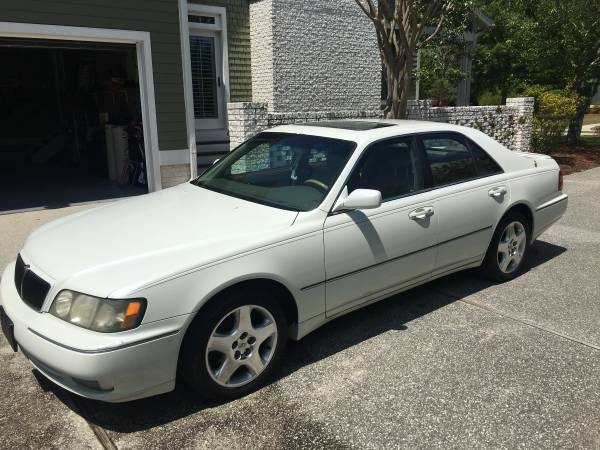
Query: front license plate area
x,y
8,329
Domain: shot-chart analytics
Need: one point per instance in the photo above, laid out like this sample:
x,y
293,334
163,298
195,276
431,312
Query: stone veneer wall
x,y
248,119
509,124
172,175
313,56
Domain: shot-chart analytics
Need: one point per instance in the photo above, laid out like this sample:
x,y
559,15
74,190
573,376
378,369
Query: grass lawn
x,y
591,140
591,118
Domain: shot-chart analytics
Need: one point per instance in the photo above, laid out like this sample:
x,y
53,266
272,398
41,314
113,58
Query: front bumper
x,y
113,367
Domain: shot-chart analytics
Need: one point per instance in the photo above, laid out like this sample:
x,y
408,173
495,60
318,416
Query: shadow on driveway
x,y
394,313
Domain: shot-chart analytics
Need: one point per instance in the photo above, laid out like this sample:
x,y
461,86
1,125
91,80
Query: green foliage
x,y
553,112
507,54
440,70
442,90
546,42
489,98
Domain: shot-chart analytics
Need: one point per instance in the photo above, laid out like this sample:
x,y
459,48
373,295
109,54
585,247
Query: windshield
x,y
287,171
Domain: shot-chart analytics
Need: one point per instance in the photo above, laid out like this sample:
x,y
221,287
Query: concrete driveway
x,y
457,363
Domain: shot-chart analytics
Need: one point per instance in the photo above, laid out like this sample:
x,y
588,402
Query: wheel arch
x,y
522,208
288,301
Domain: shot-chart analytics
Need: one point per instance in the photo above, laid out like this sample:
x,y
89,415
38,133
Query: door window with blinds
x,y
204,76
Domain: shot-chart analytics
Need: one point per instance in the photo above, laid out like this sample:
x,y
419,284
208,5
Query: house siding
x,y
159,17
238,42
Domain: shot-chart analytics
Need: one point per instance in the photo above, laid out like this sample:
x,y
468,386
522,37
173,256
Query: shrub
x,y
488,98
553,112
441,92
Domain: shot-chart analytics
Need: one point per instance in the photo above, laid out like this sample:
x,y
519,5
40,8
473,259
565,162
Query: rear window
x,y
485,164
449,159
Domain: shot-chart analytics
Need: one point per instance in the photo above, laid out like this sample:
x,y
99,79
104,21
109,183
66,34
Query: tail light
x,y
560,180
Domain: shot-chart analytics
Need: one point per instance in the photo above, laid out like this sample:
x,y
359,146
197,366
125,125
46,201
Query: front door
x,y
370,254
209,94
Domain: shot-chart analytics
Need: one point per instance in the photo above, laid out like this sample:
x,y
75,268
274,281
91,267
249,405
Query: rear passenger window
x,y
485,164
449,158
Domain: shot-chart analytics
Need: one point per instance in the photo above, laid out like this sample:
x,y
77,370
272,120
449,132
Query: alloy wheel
x,y
512,246
241,346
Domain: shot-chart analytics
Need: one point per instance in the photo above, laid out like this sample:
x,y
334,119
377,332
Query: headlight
x,y
98,314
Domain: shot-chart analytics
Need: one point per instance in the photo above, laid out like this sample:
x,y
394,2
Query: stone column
x,y
524,121
308,58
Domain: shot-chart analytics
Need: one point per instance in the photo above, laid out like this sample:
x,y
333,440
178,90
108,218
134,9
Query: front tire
x,y
234,345
507,254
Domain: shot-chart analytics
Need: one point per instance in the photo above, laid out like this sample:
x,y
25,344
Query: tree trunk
x,y
576,124
503,95
398,85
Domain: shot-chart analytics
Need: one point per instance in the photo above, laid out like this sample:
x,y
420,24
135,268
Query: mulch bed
x,y
576,159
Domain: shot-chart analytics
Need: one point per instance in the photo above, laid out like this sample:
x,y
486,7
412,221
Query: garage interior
x,y
70,124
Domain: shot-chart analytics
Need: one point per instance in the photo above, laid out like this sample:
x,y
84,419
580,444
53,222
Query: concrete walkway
x,y
457,363
588,130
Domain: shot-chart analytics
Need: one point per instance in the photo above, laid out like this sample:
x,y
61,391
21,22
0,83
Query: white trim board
x,y
188,90
184,28
141,39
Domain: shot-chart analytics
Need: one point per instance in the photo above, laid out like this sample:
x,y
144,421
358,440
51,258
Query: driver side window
x,y
392,167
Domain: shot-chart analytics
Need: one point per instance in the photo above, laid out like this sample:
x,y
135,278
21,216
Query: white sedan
x,y
205,282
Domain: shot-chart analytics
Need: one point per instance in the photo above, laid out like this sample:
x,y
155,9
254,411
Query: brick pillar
x,y
245,120
524,122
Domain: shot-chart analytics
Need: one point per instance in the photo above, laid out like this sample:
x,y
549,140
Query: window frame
x,y
427,175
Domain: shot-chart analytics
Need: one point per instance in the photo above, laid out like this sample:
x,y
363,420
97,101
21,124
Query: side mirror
x,y
358,199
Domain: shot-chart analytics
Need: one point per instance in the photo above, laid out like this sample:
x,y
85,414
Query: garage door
x,y
71,126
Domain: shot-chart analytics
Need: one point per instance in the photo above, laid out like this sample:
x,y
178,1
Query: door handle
x,y
421,213
219,81
497,191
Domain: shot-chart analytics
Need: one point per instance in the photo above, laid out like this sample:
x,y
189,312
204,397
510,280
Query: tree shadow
x,y
394,313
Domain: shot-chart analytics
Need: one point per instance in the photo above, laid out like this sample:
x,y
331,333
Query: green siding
x,y
238,41
159,17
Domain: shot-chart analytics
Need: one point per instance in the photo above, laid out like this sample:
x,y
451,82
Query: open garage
x,y
71,128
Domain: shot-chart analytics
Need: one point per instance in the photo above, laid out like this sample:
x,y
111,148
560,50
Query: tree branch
x,y
435,32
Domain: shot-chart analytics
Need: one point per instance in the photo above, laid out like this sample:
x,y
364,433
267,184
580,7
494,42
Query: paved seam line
x,y
99,432
516,319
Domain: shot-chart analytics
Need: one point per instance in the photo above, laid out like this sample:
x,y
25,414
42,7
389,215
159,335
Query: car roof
x,y
361,130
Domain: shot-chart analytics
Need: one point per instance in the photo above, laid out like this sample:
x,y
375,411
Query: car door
x,y
472,193
372,253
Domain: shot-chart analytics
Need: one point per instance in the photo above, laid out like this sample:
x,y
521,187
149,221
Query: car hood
x,y
146,238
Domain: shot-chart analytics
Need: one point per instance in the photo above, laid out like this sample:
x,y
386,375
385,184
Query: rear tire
x,y
234,345
507,253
